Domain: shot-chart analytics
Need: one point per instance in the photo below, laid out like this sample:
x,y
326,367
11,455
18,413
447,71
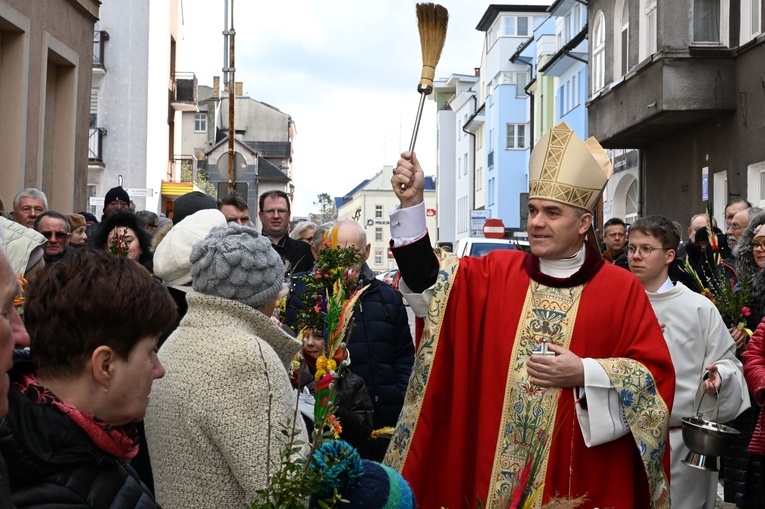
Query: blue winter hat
x,y
362,483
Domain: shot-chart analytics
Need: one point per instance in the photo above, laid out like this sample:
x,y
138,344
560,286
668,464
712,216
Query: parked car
x,y
390,276
386,275
479,246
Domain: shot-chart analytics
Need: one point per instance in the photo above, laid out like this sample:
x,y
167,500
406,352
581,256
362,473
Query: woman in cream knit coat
x,y
214,422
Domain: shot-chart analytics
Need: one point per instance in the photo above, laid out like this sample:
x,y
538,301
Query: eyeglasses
x,y
645,251
281,212
55,235
755,245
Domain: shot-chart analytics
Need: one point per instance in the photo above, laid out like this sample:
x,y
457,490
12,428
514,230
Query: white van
x,y
479,246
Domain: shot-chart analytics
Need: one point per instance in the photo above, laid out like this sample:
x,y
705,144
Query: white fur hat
x,y
171,259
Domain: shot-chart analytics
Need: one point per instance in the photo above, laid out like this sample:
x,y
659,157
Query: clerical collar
x,y
574,271
562,268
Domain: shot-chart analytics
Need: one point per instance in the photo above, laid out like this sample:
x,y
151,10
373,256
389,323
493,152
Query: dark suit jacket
x,y
297,252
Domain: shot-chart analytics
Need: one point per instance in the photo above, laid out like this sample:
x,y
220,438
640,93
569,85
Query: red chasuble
x,y
471,418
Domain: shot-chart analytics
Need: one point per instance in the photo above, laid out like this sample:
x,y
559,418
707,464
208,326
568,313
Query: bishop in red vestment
x,y
487,413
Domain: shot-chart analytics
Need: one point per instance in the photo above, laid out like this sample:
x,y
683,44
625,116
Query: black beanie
x,y
192,202
114,194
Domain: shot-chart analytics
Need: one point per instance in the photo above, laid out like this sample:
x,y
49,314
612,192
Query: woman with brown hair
x,y
76,396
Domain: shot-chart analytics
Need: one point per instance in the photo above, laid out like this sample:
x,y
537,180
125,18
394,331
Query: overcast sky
x,y
346,71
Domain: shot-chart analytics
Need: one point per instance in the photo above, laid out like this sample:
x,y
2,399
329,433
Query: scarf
x,y
121,441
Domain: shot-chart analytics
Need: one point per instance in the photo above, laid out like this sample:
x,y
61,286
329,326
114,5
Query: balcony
x,y
99,39
660,98
95,145
574,51
184,92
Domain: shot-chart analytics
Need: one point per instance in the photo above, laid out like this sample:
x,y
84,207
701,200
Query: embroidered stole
x,y
528,416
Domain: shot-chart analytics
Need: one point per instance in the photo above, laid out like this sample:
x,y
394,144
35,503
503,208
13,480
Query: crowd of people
x,y
559,376
184,308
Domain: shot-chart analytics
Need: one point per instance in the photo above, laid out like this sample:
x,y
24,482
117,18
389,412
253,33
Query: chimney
x,y
216,87
238,88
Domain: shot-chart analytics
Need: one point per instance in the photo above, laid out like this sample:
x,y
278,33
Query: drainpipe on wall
x,y
472,193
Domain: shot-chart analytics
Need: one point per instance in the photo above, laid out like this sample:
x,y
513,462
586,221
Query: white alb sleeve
x,y
603,420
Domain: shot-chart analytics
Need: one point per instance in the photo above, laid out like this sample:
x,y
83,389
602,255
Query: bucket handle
x,y
704,393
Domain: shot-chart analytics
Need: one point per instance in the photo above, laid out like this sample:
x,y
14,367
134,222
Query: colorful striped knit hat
x,y
362,483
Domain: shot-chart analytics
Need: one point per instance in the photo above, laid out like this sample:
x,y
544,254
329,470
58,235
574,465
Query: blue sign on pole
x,y
704,184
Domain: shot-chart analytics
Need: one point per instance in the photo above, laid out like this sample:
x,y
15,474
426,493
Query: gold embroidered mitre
x,y
565,169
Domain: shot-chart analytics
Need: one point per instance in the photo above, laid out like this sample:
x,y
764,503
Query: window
x,y
574,91
751,21
516,26
378,256
459,168
378,212
625,40
516,136
650,14
568,33
755,16
706,21
459,130
519,79
479,178
378,234
490,192
599,53
92,193
466,164
200,122
94,108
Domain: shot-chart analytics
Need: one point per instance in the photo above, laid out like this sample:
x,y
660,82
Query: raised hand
x,y
408,180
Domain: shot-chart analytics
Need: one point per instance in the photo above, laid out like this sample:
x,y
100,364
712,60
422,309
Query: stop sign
x,y
494,229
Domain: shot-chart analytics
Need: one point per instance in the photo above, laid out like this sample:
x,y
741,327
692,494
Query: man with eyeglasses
x,y
738,224
274,215
702,349
55,228
27,205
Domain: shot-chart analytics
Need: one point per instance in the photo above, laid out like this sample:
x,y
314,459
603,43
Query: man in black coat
x,y
381,346
274,214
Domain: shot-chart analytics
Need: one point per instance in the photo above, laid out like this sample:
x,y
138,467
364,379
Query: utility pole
x,y
228,74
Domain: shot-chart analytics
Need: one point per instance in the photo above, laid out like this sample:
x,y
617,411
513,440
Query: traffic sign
x,y
494,229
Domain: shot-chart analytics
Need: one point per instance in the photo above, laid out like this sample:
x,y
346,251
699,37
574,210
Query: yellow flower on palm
x,y
321,363
331,365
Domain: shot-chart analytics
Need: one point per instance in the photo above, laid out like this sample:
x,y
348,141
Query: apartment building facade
x,y
45,75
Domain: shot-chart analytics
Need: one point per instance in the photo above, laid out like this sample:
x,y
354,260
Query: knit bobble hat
x,y
171,256
235,262
361,483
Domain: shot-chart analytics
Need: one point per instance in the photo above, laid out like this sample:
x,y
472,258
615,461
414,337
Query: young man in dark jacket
x,y
381,346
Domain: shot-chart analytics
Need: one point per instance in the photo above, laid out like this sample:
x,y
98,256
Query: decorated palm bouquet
x,y
328,300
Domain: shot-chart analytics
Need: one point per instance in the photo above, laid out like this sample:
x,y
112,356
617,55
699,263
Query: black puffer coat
x,y
53,463
381,346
